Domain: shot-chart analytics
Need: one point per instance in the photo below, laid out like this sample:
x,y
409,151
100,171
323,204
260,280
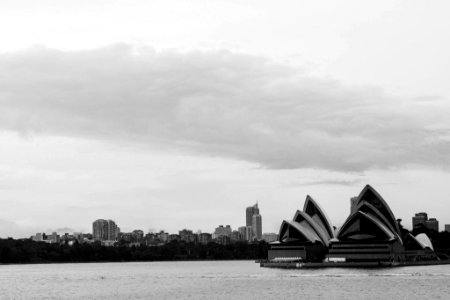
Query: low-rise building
x,y
447,227
204,238
269,237
222,231
235,236
187,236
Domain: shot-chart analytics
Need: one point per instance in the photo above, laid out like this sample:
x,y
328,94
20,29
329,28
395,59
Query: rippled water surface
x,y
218,279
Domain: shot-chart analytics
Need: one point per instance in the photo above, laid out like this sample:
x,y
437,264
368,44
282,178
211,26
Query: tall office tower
x,y
249,212
432,224
419,218
257,226
99,230
353,203
105,230
249,232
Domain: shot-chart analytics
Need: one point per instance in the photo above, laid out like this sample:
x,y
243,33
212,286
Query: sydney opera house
x,y
370,234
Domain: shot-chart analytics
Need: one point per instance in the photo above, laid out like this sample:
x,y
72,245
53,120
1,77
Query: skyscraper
x,y
419,218
105,230
249,212
432,224
257,226
353,204
253,223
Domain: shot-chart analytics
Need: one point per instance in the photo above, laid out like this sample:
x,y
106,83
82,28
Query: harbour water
x,y
218,280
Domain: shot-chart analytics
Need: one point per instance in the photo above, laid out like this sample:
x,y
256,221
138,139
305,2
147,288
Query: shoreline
x,y
122,262
363,265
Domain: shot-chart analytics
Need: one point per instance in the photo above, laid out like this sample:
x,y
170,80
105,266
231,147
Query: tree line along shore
x,y
27,251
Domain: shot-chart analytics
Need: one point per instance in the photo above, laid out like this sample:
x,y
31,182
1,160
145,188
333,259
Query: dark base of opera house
x,y
365,265
370,237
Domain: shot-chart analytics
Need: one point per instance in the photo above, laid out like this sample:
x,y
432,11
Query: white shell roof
x,y
424,240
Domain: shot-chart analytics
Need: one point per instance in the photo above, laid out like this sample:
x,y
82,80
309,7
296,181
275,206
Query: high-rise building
x,y
353,204
257,226
249,212
447,227
432,224
418,219
105,230
254,222
248,233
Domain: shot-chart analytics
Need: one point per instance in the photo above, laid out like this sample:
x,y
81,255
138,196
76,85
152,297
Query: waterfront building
x,y
269,237
370,233
419,219
105,230
257,226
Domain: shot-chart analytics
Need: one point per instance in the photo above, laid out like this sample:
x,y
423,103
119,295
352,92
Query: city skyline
x,y
246,232
165,114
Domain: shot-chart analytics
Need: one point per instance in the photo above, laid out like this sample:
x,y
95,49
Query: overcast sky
x,y
164,115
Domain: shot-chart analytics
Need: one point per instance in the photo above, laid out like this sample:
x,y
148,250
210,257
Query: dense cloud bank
x,y
218,103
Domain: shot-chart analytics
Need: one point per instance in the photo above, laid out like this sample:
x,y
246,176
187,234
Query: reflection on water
x,y
218,279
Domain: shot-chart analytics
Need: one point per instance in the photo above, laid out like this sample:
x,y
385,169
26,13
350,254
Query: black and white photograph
x,y
224,149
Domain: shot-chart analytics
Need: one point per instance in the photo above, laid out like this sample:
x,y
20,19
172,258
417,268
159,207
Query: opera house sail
x,y
371,233
306,237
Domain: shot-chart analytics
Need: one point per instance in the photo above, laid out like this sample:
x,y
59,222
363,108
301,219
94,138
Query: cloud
x,y
62,230
327,182
10,229
218,103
